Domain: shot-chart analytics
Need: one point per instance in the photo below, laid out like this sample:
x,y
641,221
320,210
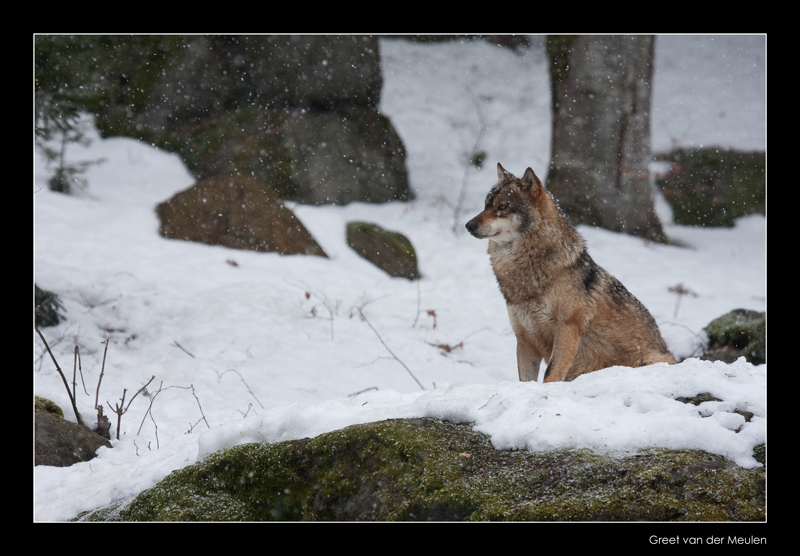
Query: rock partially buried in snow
x,y
739,333
237,212
61,443
389,251
432,470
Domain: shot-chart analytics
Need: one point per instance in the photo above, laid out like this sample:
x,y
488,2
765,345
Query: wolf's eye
x,y
502,206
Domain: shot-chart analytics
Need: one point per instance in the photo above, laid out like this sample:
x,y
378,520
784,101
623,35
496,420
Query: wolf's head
x,y
511,207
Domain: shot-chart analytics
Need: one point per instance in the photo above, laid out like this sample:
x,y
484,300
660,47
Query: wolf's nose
x,y
472,226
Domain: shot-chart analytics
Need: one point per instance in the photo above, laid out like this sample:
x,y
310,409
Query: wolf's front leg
x,y
528,361
565,347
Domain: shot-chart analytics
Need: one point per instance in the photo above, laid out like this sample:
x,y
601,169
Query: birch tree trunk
x,y
601,131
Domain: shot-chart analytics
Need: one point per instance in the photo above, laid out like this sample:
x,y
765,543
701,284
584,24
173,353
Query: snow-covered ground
x,y
272,347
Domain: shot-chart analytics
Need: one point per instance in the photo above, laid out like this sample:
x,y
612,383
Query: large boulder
x,y
342,156
713,186
298,113
312,156
429,470
236,212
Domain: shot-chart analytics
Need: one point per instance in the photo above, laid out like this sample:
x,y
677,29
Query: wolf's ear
x,y
502,173
531,183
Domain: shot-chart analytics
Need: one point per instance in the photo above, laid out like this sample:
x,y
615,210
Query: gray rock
x,y
311,156
339,157
61,443
298,113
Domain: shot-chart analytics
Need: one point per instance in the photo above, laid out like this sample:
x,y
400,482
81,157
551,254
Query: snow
x,y
273,348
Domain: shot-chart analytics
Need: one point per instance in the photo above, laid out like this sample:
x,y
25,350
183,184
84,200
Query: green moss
x,y
714,187
425,469
46,405
390,251
741,332
97,71
242,142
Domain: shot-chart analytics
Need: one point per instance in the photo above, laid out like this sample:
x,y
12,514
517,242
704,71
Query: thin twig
x,y
150,413
418,300
308,293
120,409
77,364
327,305
199,406
150,409
680,290
102,371
63,378
183,349
354,394
389,350
219,377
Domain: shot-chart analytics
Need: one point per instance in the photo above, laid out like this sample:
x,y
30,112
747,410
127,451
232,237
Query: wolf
x,y
564,308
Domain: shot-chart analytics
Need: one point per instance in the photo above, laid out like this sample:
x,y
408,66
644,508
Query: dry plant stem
x,y
418,299
150,413
120,409
199,406
153,399
63,378
389,350
680,290
219,377
102,371
326,303
177,345
76,366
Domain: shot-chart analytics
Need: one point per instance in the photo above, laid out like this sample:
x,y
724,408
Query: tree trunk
x,y
601,131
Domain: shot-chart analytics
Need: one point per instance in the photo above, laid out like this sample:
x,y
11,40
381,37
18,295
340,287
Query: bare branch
x,y
219,377
120,409
150,413
199,406
102,371
77,364
177,345
389,350
308,293
63,378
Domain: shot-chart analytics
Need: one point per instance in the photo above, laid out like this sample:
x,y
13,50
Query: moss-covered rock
x,y
389,251
352,154
61,443
245,141
48,405
425,469
714,187
739,333
298,113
